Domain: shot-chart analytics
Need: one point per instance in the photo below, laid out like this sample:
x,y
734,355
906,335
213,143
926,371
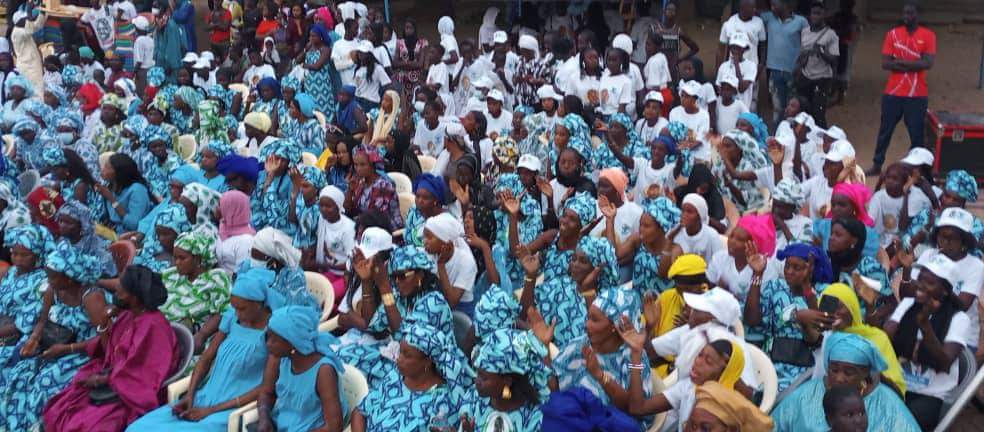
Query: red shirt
x,y
902,45
220,36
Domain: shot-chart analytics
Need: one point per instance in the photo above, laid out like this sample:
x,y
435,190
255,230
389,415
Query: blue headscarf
x,y
189,95
822,271
54,156
299,326
346,114
497,309
72,75
272,83
963,184
670,143
510,182
322,33
283,147
601,253
433,184
35,238
73,263
136,124
677,130
19,81
580,137
410,258
290,82
71,119
634,143
306,104
511,351
219,147
24,124
245,167
153,133
664,211
38,108
187,174
58,91
584,205
761,130
851,348
617,301
155,76
253,283
313,176
525,109
174,217
441,348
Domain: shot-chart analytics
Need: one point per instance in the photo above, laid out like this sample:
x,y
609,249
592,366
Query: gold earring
x,y
864,386
506,393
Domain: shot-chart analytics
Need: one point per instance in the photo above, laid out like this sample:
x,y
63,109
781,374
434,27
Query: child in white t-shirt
x,y
615,88
430,131
745,70
651,123
728,106
697,120
694,235
143,46
657,69
886,205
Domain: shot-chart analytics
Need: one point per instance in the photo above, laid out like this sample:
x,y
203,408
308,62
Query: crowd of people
x,y
531,229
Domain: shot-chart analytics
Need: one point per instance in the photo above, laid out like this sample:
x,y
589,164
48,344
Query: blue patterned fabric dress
x,y
307,223
94,201
269,208
319,85
20,299
645,273
289,289
530,227
556,262
413,230
525,419
30,383
237,369
557,299
310,135
392,407
571,371
777,305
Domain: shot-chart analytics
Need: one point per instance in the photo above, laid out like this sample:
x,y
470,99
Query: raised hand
x,y
607,208
776,151
756,260
544,186
530,263
544,332
510,202
632,337
591,362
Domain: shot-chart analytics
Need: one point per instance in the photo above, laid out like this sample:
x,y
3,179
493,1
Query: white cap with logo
x,y
374,240
717,302
529,162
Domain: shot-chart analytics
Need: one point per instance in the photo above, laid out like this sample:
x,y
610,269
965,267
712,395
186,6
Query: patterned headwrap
x,y
314,176
189,95
511,351
752,156
601,253
136,124
37,108
634,145
199,244
677,130
761,130
441,348
963,184
505,151
72,120
152,133
290,82
73,263
160,103
72,75
113,101
305,104
58,91
299,326
789,192
81,213
580,137
853,349
173,217
285,148
617,301
496,309
187,174
510,182
155,76
204,198
34,237
822,271
371,153
664,211
54,156
220,148
25,124
524,109
584,205
410,258
19,81
211,125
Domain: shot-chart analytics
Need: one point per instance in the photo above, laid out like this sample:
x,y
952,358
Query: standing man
x,y
908,52
747,22
784,29
818,56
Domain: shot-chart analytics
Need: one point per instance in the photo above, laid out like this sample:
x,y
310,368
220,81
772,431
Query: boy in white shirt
x,y
430,131
143,46
615,88
651,123
745,70
439,78
728,106
694,235
497,119
697,120
657,69
892,204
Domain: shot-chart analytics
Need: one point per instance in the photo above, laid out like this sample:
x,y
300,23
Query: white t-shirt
x,y
727,115
749,71
342,58
886,212
649,133
646,176
801,227
566,72
817,193
430,141
699,124
721,271
368,87
232,251
580,86
614,91
969,280
382,56
626,221
102,26
705,243
254,74
927,381
657,72
339,242
753,28
89,70
559,192
143,52
638,81
706,96
461,272
497,125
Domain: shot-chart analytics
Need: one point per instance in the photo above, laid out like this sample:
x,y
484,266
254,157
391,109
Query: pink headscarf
x,y
859,194
762,230
234,206
325,14
617,178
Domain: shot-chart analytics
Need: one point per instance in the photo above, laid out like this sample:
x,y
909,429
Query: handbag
x,y
54,334
6,320
103,395
791,351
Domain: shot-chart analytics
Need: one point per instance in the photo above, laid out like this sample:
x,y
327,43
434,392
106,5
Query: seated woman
x,y
273,186
702,182
369,189
382,311
529,219
688,273
158,254
444,240
746,260
848,201
929,331
430,195
960,189
739,150
197,292
718,408
127,195
576,215
235,231
621,143
334,240
274,250
156,160
850,360
571,178
309,133
695,234
786,310
76,228
847,238
75,180
74,306
20,289
303,207
510,380
208,159
791,226
127,365
600,360
427,389
306,363
621,215
231,367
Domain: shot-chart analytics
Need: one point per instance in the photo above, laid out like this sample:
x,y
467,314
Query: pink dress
x,y
140,353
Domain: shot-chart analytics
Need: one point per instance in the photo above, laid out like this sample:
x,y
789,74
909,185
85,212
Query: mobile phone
x,y
829,304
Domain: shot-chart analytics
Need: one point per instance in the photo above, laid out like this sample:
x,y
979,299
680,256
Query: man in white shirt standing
x,y
740,67
341,53
143,48
745,21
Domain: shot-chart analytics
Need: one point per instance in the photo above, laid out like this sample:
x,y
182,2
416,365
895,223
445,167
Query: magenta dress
x,y
140,352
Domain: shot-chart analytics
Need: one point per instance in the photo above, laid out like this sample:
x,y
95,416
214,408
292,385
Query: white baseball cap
x,y
836,133
190,58
839,151
201,63
956,217
529,162
482,82
729,79
941,266
207,55
919,156
690,87
141,23
717,302
499,37
374,240
654,96
739,39
623,42
547,92
495,94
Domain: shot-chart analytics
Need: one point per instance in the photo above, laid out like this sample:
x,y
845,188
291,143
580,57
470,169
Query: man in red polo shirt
x,y
907,53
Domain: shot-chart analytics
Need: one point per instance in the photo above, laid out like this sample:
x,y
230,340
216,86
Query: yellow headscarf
x,y
731,408
671,301
875,335
736,365
687,265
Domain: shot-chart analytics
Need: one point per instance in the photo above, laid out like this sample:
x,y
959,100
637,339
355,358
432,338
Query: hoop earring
x,y
506,393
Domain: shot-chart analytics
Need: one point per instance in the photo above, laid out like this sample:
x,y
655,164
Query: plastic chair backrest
x,y
187,146
766,374
426,163
406,201
461,323
966,370
123,252
354,388
401,182
321,288
185,348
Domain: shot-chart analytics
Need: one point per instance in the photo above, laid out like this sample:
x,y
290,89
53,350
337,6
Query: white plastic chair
x,y
309,159
658,387
402,182
426,163
321,288
187,147
406,201
243,90
966,387
766,374
321,119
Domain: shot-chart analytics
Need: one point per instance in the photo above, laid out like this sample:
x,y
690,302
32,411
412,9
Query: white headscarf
x,y
488,26
129,90
447,228
277,245
325,227
699,203
530,43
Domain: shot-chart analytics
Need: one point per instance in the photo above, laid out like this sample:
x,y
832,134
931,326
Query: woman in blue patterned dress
x,y
290,86
156,160
208,160
579,211
318,81
75,227
622,135
430,195
268,100
272,193
960,189
649,248
231,367
307,131
27,143
157,251
383,309
304,209
182,112
306,363
75,180
20,298
29,383
425,391
786,309
571,131
739,149
529,222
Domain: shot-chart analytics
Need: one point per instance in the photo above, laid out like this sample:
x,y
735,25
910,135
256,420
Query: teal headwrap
x,y
617,301
219,147
69,261
189,95
496,309
441,348
35,238
963,184
155,76
666,213
174,217
511,351
253,283
153,133
410,258
187,174
601,253
853,349
54,156
314,176
299,326
584,205
283,147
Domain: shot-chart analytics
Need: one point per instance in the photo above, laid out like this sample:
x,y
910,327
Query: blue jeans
x,y
781,88
912,110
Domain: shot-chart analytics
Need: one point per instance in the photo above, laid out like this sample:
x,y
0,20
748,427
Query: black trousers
x,y
894,108
817,94
926,409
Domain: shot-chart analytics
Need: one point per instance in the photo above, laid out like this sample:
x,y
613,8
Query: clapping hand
x,y
544,332
632,337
